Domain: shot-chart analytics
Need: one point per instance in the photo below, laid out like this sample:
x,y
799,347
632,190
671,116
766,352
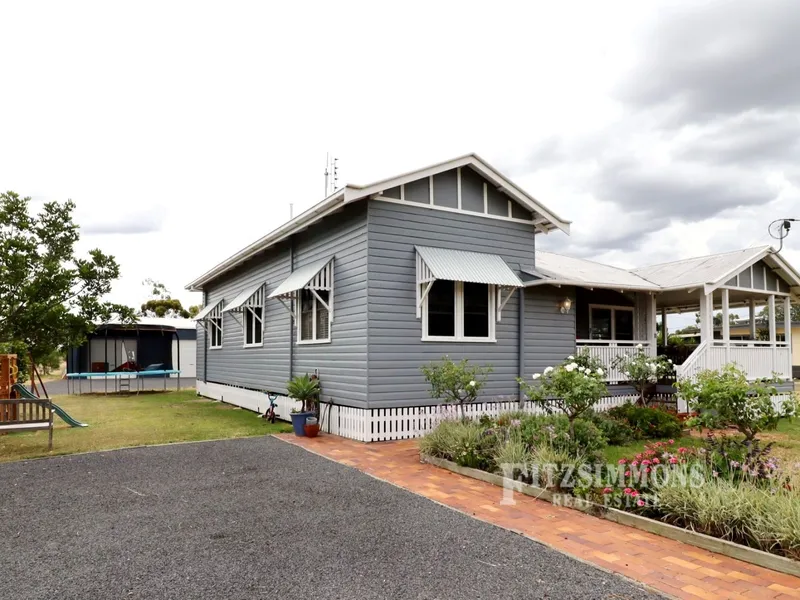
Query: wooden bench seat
x,y
27,414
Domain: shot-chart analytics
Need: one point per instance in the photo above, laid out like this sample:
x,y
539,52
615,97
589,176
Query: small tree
x,y
573,387
455,383
161,303
643,370
726,399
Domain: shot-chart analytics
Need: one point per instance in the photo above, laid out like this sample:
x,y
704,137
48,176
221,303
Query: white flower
x,y
536,375
669,360
599,371
573,365
639,346
548,370
581,369
570,367
471,384
570,357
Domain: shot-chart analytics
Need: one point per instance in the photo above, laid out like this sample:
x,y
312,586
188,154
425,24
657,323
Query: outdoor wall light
x,y
565,305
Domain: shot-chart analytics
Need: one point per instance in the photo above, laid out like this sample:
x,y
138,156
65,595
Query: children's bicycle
x,y
270,414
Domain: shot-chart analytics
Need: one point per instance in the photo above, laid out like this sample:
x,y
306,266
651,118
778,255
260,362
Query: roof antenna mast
x,y
331,174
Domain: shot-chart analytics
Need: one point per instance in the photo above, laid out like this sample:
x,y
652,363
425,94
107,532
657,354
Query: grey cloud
x,y
679,191
592,241
722,59
134,224
752,139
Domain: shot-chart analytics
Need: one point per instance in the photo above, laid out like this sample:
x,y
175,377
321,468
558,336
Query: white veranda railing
x,y
757,359
608,351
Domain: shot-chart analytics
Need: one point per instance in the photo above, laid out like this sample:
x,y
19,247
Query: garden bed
x,y
687,536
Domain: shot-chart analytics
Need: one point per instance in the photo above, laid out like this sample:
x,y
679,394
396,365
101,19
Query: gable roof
x,y
557,269
545,220
707,272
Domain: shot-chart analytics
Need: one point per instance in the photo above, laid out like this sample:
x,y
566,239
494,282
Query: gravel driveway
x,y
256,518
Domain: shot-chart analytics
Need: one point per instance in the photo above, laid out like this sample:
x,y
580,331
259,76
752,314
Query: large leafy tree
x,y
763,315
50,298
162,304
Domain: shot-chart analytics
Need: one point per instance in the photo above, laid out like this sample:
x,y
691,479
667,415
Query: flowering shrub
x,y
455,383
737,460
572,387
726,399
643,370
634,481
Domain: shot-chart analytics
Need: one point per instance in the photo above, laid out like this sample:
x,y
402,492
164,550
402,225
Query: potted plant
x,y
306,390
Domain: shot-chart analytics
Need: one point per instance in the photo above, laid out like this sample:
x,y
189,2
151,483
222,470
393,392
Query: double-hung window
x,y
611,322
314,316
459,311
253,325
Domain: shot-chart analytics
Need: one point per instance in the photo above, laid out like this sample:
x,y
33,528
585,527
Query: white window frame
x,y
458,289
212,318
613,308
250,311
315,303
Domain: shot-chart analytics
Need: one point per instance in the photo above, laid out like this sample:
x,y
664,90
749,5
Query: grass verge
x,y
118,422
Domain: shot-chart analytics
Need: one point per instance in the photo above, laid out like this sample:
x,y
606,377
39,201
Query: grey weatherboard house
x,y
377,280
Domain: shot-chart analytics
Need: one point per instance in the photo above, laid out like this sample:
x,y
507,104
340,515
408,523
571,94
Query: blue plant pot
x,y
299,421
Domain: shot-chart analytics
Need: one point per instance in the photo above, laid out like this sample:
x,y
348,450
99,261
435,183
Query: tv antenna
x,y
779,229
331,174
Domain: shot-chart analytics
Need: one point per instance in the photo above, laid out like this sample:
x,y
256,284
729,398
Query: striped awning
x,y
245,296
304,276
207,310
470,267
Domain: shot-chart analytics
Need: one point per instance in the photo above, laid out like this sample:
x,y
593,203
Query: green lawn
x,y
786,439
117,422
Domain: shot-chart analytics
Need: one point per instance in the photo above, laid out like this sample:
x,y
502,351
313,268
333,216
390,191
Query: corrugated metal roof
x,y
207,309
177,323
577,271
300,278
472,267
700,270
243,297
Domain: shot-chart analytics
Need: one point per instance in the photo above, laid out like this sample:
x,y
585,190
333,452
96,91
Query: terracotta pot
x,y
311,430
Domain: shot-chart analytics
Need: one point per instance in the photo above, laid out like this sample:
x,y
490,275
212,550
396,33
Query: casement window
x,y
460,295
247,309
314,316
611,322
215,329
253,325
459,311
309,297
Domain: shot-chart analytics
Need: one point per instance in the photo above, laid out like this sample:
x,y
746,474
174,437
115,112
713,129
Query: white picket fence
x,y
384,424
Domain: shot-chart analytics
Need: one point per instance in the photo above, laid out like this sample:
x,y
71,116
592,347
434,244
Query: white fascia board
x,y
710,286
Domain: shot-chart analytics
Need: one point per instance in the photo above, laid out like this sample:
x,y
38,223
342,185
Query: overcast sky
x,y
183,130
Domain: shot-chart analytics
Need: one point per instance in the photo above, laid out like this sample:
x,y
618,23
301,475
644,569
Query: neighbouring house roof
x,y
300,278
164,322
557,269
470,267
545,220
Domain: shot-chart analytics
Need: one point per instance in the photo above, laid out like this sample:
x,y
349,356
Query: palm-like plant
x,y
305,389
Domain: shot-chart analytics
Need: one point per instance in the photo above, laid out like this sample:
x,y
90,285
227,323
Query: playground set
x,y
22,409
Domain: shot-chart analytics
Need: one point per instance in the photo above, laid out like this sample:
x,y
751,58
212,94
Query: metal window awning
x,y
206,311
316,276
461,265
252,296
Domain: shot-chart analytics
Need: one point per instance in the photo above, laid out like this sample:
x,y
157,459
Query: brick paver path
x,y
674,568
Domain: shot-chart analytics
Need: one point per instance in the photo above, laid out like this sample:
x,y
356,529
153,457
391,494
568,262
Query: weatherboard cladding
x,y
396,350
342,362
549,333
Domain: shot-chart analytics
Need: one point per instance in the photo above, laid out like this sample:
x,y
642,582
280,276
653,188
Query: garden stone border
x,y
700,540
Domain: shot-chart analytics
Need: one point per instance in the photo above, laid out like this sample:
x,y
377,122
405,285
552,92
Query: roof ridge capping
x,y
352,193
